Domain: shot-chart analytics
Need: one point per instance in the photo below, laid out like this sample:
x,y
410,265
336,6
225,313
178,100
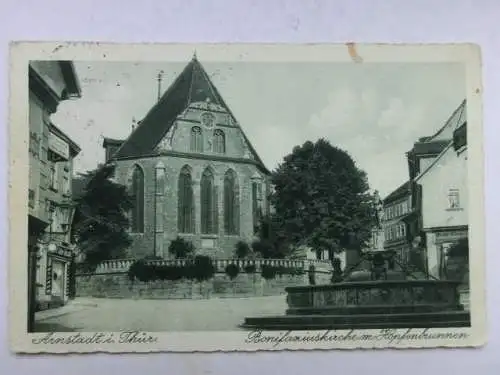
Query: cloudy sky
x,y
373,111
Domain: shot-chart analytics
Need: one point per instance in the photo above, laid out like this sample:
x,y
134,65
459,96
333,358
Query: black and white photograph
x,y
270,193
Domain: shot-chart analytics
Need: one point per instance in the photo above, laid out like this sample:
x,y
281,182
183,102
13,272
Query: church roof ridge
x,y
192,85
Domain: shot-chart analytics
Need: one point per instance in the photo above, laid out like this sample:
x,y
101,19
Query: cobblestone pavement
x,y
98,314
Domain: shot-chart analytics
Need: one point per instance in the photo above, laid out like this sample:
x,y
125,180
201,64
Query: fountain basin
x,y
369,304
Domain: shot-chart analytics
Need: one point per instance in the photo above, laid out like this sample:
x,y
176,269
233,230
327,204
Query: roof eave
x,y
73,89
74,147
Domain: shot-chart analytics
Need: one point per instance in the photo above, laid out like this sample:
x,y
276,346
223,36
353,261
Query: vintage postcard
x,y
245,197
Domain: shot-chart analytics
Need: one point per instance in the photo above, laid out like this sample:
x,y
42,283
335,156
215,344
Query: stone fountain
x,y
375,299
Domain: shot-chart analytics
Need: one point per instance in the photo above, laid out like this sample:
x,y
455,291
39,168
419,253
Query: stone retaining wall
x,y
110,280
220,286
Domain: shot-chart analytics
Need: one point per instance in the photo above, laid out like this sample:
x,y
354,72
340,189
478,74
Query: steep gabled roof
x,y
112,142
192,85
400,192
457,118
434,162
432,147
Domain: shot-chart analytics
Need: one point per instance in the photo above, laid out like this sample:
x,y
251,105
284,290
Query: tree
x,y
181,248
202,269
272,242
322,199
241,250
100,223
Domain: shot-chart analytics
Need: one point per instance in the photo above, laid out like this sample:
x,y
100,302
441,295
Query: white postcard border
x,y
22,52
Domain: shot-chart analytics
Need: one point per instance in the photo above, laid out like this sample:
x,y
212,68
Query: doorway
x,y
58,279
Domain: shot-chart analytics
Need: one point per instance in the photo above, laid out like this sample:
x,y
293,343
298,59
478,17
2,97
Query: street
x,y
100,314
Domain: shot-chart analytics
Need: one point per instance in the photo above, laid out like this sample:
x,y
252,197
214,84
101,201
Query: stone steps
x,y
366,321
373,309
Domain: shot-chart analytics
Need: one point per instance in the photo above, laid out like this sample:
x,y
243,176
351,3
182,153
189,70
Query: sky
x,y
373,111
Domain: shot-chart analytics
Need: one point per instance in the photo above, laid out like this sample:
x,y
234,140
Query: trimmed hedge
x,y
201,268
250,268
270,272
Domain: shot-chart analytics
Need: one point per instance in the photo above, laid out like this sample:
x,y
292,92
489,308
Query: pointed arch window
x,y
231,203
208,202
185,207
196,139
137,217
256,202
159,196
219,142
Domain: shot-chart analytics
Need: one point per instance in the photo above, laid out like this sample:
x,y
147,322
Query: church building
x,y
192,172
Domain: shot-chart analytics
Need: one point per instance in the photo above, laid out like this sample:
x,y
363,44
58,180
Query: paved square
x,y
221,314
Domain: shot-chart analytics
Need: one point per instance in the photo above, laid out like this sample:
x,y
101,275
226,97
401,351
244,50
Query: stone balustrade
x,y
122,265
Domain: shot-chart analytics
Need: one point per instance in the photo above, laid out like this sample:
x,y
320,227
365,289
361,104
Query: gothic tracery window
x,y
231,203
159,195
208,203
137,217
196,139
219,142
185,207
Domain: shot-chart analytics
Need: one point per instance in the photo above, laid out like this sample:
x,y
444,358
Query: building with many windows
x,y
444,202
50,168
404,228
192,172
397,208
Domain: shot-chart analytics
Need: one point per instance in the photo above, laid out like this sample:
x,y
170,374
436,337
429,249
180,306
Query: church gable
x,y
208,129
191,117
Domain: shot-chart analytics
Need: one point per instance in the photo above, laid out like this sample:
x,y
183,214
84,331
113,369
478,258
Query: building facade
x,y
397,210
50,155
191,171
444,201
55,250
403,209
421,159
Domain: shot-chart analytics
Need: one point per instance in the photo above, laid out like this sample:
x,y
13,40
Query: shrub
x,y
143,271
263,247
232,270
181,248
202,268
139,270
250,268
242,250
268,272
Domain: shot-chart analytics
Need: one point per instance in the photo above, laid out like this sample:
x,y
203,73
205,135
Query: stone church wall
x,y
219,245
244,285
